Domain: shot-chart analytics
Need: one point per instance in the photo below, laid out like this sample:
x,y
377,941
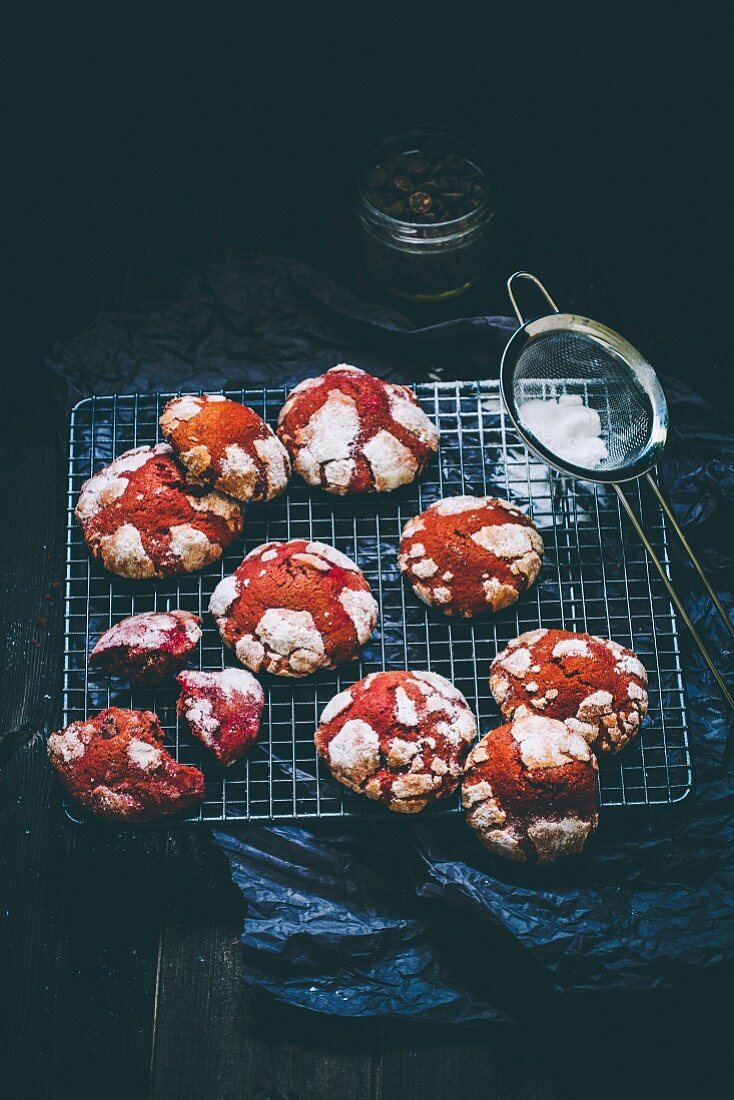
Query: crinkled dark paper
x,y
378,918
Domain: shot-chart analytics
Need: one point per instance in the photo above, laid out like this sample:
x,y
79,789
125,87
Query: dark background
x,y
136,152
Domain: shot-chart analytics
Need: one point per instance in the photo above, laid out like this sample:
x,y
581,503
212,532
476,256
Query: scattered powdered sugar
x,y
425,568
553,838
143,755
191,546
594,706
400,752
412,417
571,647
632,666
68,744
123,552
312,560
239,468
250,651
274,457
567,427
413,526
284,631
149,630
184,408
517,662
498,595
406,786
332,555
335,706
345,368
361,608
392,464
110,483
405,709
199,713
331,431
454,505
444,686
258,551
547,743
506,540
223,596
355,751
230,681
218,505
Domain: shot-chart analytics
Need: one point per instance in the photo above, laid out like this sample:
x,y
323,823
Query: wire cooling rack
x,y
595,578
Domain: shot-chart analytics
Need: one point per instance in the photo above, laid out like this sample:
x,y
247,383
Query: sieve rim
x,y
612,343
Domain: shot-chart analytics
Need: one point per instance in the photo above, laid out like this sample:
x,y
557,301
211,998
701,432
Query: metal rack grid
x,y
595,578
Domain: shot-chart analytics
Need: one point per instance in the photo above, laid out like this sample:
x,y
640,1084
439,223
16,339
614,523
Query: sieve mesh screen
x,y
558,363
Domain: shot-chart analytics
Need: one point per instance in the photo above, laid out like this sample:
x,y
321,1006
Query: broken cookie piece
x,y
149,647
115,766
222,709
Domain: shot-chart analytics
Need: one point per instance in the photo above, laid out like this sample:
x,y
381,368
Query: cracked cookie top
x,y
530,791
594,685
227,445
349,432
149,647
469,555
292,608
141,517
400,738
114,765
222,709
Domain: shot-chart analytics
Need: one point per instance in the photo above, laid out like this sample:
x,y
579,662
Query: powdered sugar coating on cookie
x,y
115,766
147,648
292,608
141,517
399,738
227,445
530,791
223,710
470,555
349,432
594,685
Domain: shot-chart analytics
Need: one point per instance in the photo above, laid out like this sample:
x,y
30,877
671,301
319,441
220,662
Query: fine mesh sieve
x,y
561,355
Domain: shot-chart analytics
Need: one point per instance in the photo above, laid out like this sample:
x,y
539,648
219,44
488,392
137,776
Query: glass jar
x,y
423,203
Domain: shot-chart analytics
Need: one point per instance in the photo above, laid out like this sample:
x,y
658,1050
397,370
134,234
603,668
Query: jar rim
x,y
464,221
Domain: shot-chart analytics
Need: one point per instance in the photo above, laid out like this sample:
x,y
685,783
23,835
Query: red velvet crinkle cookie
x,y
349,432
596,686
227,445
115,766
223,710
401,738
469,555
141,518
530,791
292,608
147,648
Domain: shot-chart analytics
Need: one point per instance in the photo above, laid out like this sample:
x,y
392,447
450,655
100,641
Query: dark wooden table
x,y
122,974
